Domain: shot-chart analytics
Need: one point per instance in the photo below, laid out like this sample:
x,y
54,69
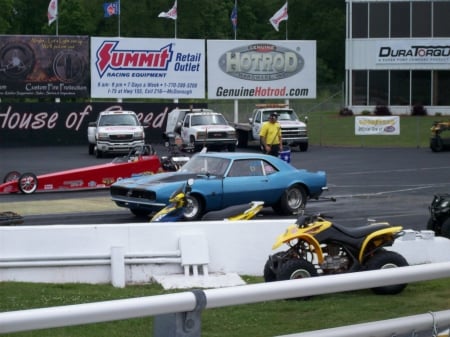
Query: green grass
x,y
265,319
330,129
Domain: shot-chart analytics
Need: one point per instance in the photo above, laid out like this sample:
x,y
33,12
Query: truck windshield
x,y
208,120
118,120
283,115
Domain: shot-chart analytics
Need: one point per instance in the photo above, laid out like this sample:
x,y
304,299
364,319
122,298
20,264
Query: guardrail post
x,y
118,267
181,324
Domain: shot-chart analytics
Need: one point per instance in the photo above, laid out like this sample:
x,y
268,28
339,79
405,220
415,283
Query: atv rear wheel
x,y
383,260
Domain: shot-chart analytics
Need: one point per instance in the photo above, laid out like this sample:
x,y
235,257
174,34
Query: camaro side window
x,y
246,168
268,168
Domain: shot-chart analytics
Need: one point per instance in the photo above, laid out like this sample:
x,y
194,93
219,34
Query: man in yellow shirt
x,y
270,136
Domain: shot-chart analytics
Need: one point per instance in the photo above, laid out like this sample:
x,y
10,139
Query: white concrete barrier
x,y
183,254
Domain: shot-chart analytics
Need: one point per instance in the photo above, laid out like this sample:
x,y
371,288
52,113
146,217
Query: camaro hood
x,y
155,179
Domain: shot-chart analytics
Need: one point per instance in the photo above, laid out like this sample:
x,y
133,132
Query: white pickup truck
x,y
293,131
115,132
194,129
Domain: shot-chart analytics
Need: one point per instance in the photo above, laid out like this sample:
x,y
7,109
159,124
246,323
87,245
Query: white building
x,y
398,55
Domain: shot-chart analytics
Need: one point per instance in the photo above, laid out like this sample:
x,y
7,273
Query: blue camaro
x,y
222,180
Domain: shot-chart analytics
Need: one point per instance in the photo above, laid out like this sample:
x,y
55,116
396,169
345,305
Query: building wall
x,y
398,55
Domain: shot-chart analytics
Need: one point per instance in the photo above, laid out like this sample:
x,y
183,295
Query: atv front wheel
x,y
383,260
296,269
271,267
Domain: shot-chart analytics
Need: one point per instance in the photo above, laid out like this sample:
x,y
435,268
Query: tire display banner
x,y
378,125
44,66
245,69
147,68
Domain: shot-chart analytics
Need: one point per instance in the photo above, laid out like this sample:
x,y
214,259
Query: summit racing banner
x,y
147,68
44,66
261,69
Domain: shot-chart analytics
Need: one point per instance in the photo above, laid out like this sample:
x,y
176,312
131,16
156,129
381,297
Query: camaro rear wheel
x,y
383,260
28,183
292,199
194,208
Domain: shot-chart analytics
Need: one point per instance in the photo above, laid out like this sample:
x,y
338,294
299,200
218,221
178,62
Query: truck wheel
x,y
98,153
303,147
445,229
231,148
242,139
91,149
28,183
383,260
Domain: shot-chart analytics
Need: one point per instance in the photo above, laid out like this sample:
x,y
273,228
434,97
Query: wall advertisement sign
x,y
147,68
239,69
44,66
379,125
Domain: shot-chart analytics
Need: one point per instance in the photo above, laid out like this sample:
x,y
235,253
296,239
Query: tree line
x,y
320,20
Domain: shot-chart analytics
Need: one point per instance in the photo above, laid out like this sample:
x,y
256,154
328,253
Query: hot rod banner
x,y
147,68
261,69
377,125
44,66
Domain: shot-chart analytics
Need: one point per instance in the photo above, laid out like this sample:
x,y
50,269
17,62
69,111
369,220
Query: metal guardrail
x,y
180,310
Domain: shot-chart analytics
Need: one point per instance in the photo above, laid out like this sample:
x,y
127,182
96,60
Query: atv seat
x,y
362,231
226,212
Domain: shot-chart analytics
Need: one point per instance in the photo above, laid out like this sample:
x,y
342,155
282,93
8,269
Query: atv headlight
x,y
444,204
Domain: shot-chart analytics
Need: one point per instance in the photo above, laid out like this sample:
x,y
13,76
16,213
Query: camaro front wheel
x,y
194,208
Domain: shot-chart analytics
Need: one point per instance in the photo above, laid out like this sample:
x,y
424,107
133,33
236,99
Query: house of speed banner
x,y
147,68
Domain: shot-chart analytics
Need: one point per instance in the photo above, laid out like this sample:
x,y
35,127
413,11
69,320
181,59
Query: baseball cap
x,y
274,114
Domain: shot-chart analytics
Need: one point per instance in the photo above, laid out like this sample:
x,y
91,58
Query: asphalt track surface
x,y
385,184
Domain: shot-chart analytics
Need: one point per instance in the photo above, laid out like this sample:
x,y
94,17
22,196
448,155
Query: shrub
x,y
382,110
418,110
346,112
365,112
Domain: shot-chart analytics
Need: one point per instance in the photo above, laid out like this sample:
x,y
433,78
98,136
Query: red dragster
x,y
141,160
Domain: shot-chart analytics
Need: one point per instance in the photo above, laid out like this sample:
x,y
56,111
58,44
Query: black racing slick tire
x,y
383,260
27,183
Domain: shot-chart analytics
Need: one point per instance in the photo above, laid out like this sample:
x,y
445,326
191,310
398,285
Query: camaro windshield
x,y
204,165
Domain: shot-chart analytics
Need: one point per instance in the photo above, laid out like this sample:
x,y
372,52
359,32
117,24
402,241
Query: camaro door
x,y
245,181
